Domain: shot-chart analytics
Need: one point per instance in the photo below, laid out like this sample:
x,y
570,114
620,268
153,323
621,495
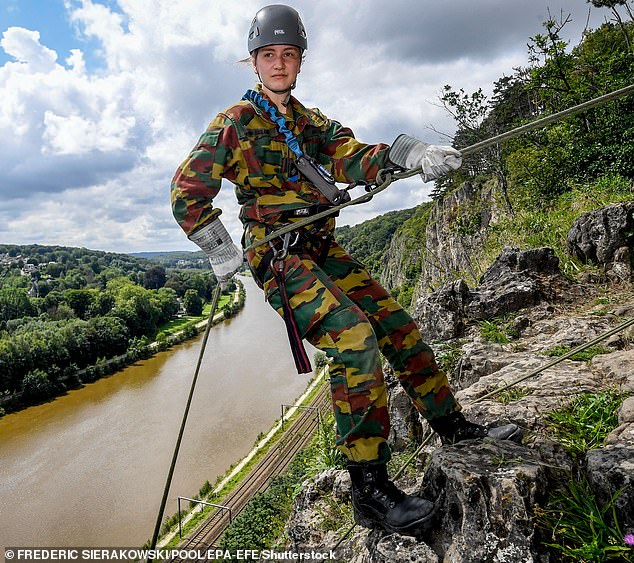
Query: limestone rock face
x,y
611,469
619,367
442,315
603,237
486,490
516,280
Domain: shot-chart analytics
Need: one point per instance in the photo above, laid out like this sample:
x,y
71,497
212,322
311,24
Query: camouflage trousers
x,y
340,309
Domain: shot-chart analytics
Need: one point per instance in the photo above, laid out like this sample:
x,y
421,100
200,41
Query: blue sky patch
x,y
50,18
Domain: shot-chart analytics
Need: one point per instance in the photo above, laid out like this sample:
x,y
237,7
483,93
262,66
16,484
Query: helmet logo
x,y
278,32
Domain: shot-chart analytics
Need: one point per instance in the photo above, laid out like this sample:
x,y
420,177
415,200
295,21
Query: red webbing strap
x,y
302,363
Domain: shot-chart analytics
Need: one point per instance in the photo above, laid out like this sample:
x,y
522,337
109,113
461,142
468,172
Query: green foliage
x,y
320,360
448,356
154,277
205,490
533,168
80,301
91,306
404,295
193,303
368,241
14,304
499,330
583,356
468,225
36,385
336,516
172,521
323,453
580,528
261,523
52,346
549,224
586,421
512,394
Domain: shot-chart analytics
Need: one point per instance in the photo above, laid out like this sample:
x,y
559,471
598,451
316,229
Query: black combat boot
x,y
455,427
378,502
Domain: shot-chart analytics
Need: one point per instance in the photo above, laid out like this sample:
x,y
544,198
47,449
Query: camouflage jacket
x,y
243,145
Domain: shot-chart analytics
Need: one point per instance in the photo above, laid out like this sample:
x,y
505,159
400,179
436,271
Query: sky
x,y
100,100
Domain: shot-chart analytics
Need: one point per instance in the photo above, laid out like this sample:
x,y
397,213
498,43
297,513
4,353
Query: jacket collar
x,y
298,117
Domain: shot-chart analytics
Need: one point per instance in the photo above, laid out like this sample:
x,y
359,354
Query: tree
x,y
36,385
612,4
75,279
193,303
80,301
102,304
134,305
109,336
14,304
154,278
321,360
176,282
477,122
166,300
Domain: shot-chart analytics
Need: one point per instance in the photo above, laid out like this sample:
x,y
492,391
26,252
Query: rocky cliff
x,y
493,496
444,244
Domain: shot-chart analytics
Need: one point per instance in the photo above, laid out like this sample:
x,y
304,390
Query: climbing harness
x,y
170,474
314,172
383,179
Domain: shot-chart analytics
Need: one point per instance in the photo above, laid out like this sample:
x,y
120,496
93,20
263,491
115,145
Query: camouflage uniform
x,y
336,304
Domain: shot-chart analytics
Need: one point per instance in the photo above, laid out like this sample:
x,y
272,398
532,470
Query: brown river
x,y
88,469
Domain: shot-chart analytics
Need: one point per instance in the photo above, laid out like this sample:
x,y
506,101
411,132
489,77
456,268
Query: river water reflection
x,y
88,468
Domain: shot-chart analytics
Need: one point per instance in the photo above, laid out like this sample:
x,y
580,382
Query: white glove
x,y
224,256
435,160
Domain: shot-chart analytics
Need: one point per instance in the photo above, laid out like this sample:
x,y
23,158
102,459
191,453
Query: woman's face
x,y
278,66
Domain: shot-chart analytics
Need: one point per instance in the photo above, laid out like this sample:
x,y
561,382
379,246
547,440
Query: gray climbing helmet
x,y
277,25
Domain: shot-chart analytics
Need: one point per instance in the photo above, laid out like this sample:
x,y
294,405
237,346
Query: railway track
x,y
274,462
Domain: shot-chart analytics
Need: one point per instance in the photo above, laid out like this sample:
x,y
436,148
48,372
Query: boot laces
x,y
470,430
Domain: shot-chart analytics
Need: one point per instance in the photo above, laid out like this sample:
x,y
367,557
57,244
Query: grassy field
x,y
176,325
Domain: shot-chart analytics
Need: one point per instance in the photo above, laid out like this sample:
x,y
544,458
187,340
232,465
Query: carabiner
x,y
282,253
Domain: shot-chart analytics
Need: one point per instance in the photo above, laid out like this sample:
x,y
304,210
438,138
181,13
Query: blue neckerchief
x,y
271,110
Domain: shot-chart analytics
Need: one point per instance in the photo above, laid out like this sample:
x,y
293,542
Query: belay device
x,y
314,172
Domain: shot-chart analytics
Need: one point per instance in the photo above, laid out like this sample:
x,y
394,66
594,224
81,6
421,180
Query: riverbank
x,y
89,468
139,349
191,518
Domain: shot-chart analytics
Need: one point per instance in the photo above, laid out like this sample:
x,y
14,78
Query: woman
x,y
280,156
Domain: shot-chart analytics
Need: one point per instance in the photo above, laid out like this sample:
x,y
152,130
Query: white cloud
x,y
95,149
74,134
24,45
76,61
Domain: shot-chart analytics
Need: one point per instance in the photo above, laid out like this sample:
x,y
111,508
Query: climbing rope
x,y
170,474
385,177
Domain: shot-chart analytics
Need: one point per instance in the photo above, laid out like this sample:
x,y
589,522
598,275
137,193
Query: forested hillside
x,y
63,309
369,241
